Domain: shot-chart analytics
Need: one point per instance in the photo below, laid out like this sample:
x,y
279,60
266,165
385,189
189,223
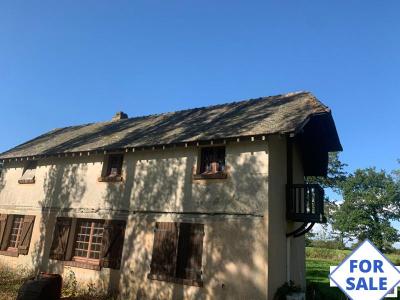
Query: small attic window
x,y
28,175
212,163
112,168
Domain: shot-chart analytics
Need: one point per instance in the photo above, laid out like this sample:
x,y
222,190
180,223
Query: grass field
x,y
318,261
317,274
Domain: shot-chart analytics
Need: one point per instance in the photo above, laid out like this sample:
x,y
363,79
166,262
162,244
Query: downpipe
x,y
288,248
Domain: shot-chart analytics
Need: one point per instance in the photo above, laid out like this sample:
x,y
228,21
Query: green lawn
x,y
317,274
318,261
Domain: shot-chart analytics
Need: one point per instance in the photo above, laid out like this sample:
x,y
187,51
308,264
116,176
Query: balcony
x,y
305,203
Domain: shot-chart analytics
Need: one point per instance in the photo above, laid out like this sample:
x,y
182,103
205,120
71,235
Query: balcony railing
x,y
305,203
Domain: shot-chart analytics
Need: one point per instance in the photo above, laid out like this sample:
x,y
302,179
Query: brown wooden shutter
x,y
7,231
205,160
71,240
220,158
3,221
26,234
190,251
112,243
163,261
60,238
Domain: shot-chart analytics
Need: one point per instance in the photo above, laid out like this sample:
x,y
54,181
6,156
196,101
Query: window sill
x,y
110,179
9,253
191,282
26,181
82,265
219,175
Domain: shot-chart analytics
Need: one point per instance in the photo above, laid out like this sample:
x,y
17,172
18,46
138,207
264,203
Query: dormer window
x,y
212,163
28,175
112,168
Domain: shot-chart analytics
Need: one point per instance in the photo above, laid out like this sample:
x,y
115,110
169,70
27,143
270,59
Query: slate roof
x,y
263,116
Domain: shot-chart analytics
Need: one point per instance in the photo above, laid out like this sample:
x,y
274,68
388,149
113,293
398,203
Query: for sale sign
x,y
366,274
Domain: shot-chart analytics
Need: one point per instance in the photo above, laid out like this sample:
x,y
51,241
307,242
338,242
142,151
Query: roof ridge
x,y
290,94
255,116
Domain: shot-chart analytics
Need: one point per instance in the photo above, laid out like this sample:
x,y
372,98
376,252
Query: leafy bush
x,y
313,292
72,291
287,288
70,285
12,279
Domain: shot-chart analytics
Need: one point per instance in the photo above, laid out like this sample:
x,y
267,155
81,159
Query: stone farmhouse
x,y
205,203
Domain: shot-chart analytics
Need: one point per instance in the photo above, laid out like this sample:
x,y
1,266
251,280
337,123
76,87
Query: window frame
x,y
214,173
111,245
23,237
106,174
87,259
18,236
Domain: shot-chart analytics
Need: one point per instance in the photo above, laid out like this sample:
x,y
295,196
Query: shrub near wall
x,y
11,280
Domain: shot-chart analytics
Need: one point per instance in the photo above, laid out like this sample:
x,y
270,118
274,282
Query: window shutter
x,y
71,239
3,221
112,243
60,238
163,260
26,234
28,175
7,231
190,251
205,160
220,158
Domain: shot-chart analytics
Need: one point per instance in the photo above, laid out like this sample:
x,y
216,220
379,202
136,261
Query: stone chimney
x,y
120,116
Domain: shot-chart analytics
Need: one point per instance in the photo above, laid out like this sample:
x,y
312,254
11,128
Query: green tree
x,y
396,174
334,180
336,174
371,202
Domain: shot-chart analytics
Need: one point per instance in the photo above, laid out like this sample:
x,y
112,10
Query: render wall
x,y
279,271
157,186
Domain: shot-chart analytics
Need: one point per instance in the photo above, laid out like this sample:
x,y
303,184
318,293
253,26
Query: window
x,y
114,165
212,163
177,253
88,243
28,175
15,234
112,168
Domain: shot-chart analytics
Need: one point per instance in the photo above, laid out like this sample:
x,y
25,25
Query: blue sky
x,y
70,62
